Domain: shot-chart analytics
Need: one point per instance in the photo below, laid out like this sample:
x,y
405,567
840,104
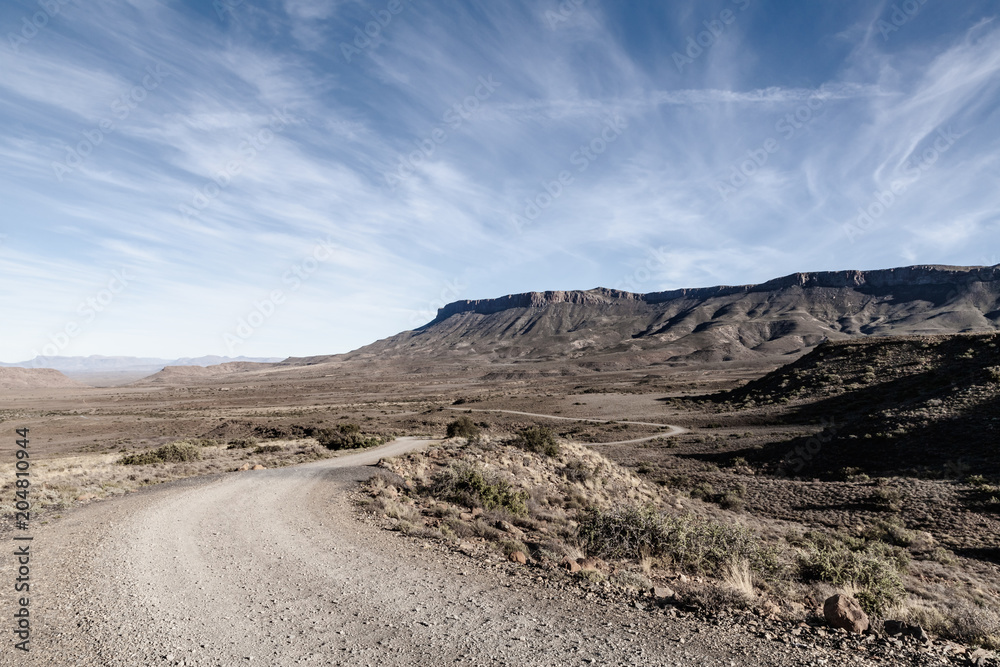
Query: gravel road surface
x,y
276,567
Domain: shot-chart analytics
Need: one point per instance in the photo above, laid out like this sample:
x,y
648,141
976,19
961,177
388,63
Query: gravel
x,y
275,567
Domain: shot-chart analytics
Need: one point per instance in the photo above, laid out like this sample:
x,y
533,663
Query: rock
x,y
466,516
979,657
258,467
906,630
843,611
592,564
569,564
477,512
85,497
769,608
517,557
662,592
245,466
794,609
505,526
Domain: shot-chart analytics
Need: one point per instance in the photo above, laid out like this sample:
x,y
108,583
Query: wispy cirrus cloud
x,y
849,114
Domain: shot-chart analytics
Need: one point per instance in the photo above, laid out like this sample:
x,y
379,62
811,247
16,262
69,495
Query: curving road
x,y
274,567
674,430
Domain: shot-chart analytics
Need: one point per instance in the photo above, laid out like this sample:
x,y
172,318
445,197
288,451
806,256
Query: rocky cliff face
x,y
909,276
781,317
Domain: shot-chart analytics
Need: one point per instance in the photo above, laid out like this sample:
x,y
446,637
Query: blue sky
x,y
295,177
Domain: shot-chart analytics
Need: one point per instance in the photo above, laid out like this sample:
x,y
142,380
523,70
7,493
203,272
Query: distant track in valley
x,y
674,430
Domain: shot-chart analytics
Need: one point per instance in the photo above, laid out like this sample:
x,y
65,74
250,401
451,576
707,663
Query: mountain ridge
x,y
908,275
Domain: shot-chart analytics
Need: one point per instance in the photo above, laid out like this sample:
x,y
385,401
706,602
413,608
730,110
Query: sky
x,y
301,177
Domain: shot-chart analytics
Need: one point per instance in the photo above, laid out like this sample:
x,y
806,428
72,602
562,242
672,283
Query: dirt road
x,y
674,430
274,567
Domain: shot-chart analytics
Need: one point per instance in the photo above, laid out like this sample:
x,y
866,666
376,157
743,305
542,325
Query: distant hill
x,y
101,364
17,379
785,316
924,405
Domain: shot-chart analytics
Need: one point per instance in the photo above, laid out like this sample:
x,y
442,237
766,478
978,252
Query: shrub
x,y
474,487
692,543
463,427
241,443
267,449
175,452
875,568
538,439
347,436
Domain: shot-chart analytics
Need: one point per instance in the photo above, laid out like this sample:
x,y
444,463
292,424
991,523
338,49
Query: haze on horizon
x,y
170,168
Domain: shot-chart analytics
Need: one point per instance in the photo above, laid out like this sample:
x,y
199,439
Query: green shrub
x,y
875,568
538,439
463,427
347,436
175,452
692,543
474,487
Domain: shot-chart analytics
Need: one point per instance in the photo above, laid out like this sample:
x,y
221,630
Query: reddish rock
x,y
569,564
843,611
517,557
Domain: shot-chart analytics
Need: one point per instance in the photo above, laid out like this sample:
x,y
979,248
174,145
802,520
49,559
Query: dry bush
x,y
692,543
175,452
463,427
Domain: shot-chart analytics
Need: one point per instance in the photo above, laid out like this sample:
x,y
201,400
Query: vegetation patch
x,y
175,452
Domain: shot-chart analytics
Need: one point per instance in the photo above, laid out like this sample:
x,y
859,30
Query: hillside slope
x,y
786,316
924,405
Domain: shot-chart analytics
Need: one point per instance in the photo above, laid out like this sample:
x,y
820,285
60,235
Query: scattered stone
x,y
466,516
663,592
843,611
517,557
258,467
570,565
906,630
591,564
245,466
